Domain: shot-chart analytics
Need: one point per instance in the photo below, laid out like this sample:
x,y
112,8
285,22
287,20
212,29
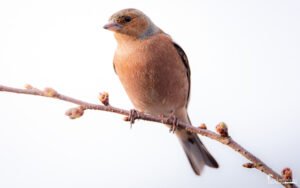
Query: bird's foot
x,y
174,121
133,115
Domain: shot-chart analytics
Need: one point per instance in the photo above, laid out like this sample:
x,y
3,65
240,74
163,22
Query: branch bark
x,y
285,178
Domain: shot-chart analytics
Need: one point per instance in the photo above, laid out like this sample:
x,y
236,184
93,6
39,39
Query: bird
x,y
155,73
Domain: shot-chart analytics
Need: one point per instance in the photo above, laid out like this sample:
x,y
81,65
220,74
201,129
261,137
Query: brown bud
x,y
202,126
74,113
49,92
28,86
126,118
248,165
222,129
287,174
104,98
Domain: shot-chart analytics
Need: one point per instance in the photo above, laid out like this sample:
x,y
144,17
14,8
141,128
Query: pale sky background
x,y
244,57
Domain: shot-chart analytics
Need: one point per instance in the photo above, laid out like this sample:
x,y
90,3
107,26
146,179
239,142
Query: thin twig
x,y
222,129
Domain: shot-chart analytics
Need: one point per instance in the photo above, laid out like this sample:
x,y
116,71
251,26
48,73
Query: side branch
x,y
285,179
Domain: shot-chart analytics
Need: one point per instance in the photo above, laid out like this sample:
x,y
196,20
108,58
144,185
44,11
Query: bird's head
x,y
131,22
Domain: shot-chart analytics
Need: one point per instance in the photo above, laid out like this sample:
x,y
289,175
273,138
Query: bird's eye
x,y
127,19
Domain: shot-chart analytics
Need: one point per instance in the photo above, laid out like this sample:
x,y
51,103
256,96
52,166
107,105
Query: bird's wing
x,y
114,67
185,61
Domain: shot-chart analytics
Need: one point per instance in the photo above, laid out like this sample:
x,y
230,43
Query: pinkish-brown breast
x,y
152,74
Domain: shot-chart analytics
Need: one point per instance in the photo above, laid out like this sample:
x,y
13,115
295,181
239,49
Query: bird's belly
x,y
145,88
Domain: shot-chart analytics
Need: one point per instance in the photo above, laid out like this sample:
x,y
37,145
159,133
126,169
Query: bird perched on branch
x,y
155,74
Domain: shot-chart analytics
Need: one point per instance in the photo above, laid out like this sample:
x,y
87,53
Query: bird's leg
x,y
133,115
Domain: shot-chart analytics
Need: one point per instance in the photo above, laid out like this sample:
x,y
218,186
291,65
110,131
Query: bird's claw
x,y
133,115
174,125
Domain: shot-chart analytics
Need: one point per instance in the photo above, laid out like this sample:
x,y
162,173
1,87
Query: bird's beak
x,y
112,26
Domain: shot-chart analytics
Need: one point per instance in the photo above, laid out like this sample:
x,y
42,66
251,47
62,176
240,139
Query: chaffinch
x,y
155,74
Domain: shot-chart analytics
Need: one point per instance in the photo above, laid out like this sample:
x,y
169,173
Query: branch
x,y
223,137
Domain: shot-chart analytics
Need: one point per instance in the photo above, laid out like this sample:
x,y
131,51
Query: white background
x,y
244,57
